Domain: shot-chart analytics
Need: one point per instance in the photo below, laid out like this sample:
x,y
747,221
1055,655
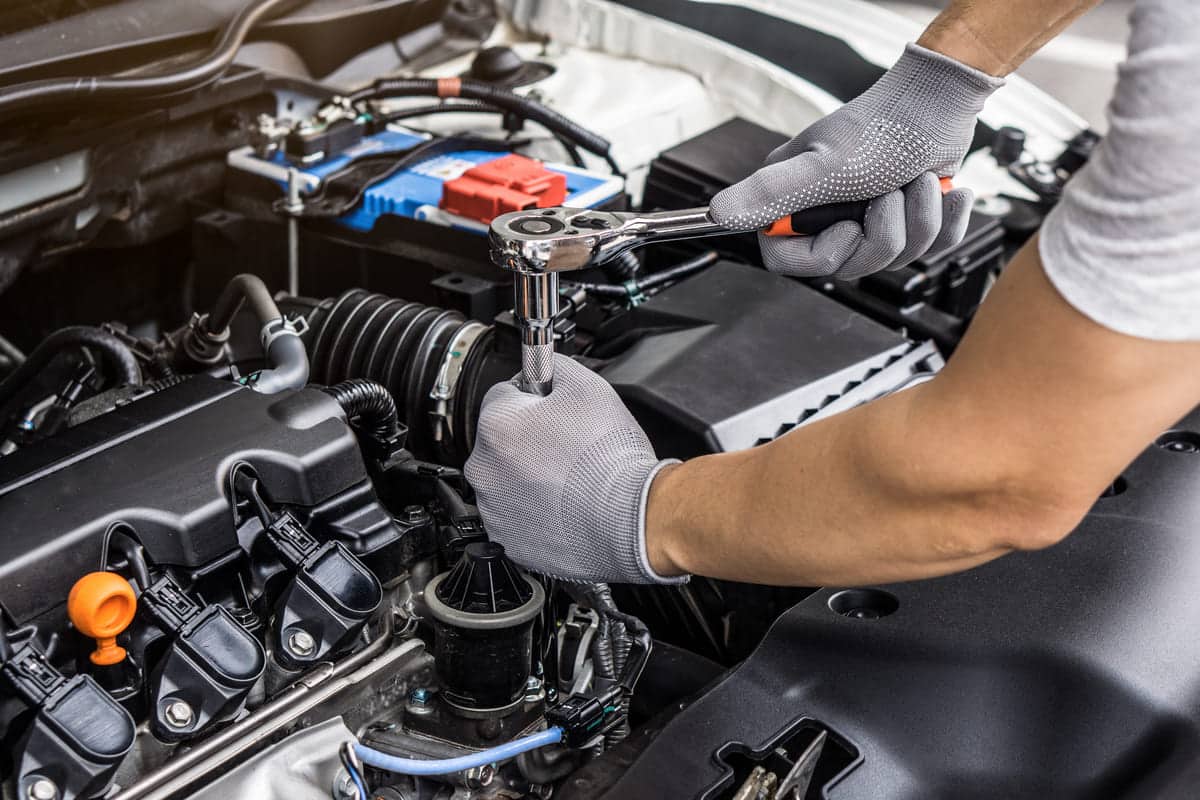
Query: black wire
x,y
574,154
368,405
492,95
612,165
244,485
62,92
625,290
130,548
115,353
681,270
475,107
456,507
463,107
321,205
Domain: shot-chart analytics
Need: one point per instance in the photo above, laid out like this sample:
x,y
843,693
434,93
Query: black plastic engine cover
x,y
735,355
1072,672
160,464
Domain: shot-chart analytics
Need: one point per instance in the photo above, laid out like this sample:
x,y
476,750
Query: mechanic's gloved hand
x,y
562,480
892,143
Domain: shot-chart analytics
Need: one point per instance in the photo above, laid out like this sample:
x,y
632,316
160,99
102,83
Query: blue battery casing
x,y
416,190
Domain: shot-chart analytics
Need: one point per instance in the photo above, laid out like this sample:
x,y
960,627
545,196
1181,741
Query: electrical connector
x,y
583,717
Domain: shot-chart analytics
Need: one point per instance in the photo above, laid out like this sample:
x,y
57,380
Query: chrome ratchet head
x,y
560,239
555,239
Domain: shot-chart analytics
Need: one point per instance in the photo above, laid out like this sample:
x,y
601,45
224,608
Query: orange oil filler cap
x,y
101,605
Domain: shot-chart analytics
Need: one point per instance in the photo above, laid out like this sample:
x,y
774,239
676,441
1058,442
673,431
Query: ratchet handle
x,y
812,221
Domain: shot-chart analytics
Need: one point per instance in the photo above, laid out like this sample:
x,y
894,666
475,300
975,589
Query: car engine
x,y
245,332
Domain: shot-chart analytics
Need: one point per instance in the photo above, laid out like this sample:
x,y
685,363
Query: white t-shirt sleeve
x,y
1123,245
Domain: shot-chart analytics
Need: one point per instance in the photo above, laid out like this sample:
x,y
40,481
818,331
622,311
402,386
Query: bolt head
x,y
479,777
301,643
179,714
535,690
419,703
344,788
43,789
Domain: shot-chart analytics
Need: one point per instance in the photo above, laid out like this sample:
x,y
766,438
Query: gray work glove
x,y
890,145
562,480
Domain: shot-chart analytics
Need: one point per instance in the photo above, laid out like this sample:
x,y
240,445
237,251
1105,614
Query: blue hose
x,y
444,766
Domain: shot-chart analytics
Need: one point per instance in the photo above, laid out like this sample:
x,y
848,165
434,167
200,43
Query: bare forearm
x,y
997,37
1006,449
808,510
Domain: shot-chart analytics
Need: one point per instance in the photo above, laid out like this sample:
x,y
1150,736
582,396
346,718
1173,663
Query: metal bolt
x,y
534,690
418,703
43,789
478,777
414,514
344,788
301,643
179,714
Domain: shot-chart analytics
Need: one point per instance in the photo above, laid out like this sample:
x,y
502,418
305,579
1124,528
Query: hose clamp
x,y
281,327
448,375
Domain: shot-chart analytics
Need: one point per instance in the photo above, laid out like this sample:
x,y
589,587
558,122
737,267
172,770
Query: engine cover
x,y
160,463
1065,673
736,356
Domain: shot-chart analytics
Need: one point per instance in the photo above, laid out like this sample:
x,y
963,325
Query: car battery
x,y
462,189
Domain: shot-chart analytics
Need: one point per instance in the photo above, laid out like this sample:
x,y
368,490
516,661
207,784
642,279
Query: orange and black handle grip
x,y
812,221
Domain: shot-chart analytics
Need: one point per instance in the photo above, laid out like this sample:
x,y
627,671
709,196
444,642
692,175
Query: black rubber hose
x,y
243,288
369,405
287,359
286,356
109,348
492,95
63,92
398,344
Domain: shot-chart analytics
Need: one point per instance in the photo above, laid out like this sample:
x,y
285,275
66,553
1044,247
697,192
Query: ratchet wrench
x,y
537,244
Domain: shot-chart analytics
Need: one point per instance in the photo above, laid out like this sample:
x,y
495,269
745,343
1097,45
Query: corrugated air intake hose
x,y
436,364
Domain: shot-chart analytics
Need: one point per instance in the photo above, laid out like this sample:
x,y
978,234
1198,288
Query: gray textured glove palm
x,y
561,481
889,145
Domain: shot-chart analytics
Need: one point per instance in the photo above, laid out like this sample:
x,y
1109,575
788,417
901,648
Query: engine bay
x,y
245,333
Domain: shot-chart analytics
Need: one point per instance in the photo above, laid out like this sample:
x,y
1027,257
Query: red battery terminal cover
x,y
510,183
